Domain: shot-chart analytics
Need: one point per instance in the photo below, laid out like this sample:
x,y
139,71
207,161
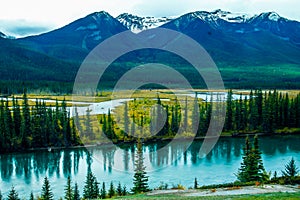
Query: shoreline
x,y
228,191
102,144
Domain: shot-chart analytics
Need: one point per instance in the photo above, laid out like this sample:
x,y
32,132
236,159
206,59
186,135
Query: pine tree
x,y
195,116
119,189
103,191
124,191
46,190
185,118
126,121
195,184
76,193
291,170
68,190
26,122
111,191
140,180
88,190
229,113
13,195
252,168
95,193
243,175
31,196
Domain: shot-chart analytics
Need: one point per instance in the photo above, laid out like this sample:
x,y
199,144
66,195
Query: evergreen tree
x,y
76,195
291,170
46,190
119,189
195,116
31,196
252,168
126,121
111,191
95,193
140,180
1,195
185,118
229,112
103,191
243,174
13,195
68,190
195,183
89,190
124,191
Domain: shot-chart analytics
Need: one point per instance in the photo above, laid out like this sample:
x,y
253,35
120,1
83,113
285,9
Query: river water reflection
x,y
26,171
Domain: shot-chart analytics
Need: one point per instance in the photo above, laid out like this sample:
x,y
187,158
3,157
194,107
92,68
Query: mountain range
x,y
240,44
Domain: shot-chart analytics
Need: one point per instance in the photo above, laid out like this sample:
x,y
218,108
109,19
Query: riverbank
x,y
246,192
149,141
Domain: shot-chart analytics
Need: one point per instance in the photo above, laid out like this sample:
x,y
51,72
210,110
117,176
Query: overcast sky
x,y
24,17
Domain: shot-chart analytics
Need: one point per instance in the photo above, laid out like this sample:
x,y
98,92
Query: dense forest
x,y
25,126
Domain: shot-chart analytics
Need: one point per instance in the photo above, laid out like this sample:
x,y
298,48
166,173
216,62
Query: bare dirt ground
x,y
230,191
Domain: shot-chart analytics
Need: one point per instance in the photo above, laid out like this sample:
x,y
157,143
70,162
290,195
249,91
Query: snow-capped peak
x,y
137,24
2,35
273,16
220,14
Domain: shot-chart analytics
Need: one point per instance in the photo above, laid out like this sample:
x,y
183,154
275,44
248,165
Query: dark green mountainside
x,y
262,51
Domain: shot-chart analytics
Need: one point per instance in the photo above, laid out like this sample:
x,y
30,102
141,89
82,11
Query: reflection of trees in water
x,y
6,166
77,154
126,158
89,160
160,155
40,163
54,162
67,163
23,166
294,144
108,157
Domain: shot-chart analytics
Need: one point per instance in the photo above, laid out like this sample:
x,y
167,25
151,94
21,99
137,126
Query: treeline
x,y
9,87
23,126
266,112
262,111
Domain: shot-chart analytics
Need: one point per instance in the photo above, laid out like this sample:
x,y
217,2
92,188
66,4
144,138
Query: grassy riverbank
x,y
267,192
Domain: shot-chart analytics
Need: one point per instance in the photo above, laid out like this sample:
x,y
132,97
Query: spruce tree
x,y
291,170
229,112
111,191
88,190
31,196
195,116
126,121
124,191
243,174
68,190
140,180
185,118
76,193
46,190
103,191
195,183
13,195
119,189
95,193
252,168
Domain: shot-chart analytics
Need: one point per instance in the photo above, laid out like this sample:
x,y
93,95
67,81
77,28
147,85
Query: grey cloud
x,y
21,28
